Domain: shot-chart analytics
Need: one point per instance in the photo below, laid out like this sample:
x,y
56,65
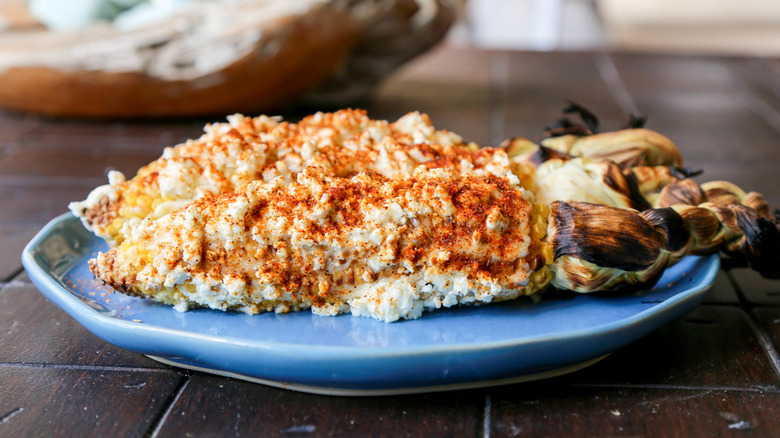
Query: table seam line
x,y
486,417
159,421
610,75
751,389
8,280
766,343
77,367
753,101
764,75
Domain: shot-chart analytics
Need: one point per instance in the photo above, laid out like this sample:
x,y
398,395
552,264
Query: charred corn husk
x,y
627,148
600,248
651,180
604,182
586,180
733,221
621,169
719,216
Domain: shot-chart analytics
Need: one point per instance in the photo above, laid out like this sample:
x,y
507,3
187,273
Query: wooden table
x,y
715,372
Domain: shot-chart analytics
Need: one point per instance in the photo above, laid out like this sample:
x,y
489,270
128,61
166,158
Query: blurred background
x,y
160,58
746,27
719,26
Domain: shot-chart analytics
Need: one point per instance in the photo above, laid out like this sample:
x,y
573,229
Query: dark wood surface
x,y
714,372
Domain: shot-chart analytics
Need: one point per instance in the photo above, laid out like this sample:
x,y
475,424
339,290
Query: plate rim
x,y
386,391
87,316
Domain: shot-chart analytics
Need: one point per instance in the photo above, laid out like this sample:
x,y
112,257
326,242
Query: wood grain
x,y
539,86
769,321
454,87
34,331
15,127
56,402
577,411
210,405
68,162
713,346
756,289
120,135
722,291
14,237
36,204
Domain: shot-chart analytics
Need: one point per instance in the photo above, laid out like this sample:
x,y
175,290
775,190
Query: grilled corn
x,y
343,213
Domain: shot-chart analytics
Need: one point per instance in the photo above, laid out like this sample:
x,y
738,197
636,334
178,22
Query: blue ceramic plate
x,y
447,349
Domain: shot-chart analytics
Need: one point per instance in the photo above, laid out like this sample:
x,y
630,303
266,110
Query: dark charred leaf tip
x,y
587,231
590,119
730,262
544,153
638,201
685,172
762,247
635,122
671,224
559,130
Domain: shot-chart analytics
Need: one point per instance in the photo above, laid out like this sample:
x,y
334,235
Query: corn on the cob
x,y
389,219
230,155
374,246
390,249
